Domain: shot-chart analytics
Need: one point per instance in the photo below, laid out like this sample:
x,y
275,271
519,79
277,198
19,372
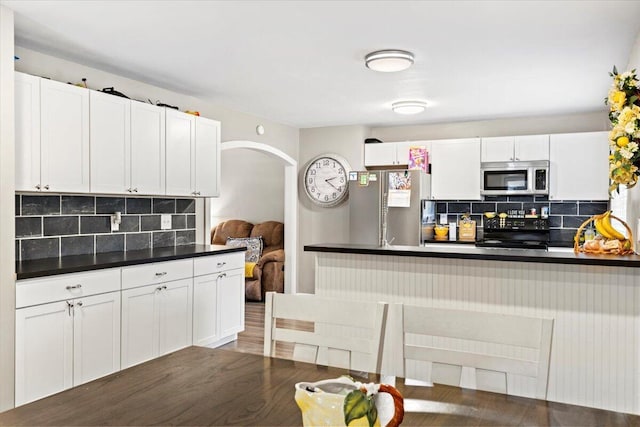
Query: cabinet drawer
x,y
215,263
157,272
66,286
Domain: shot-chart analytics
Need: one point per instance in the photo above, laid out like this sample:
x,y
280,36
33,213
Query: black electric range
x,y
515,233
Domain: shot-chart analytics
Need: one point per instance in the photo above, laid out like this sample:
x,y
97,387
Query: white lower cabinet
x,y
66,343
156,319
218,294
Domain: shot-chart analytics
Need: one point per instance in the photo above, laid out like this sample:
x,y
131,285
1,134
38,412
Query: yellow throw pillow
x,y
248,269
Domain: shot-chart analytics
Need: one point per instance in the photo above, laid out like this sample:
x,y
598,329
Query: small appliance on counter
x,y
515,230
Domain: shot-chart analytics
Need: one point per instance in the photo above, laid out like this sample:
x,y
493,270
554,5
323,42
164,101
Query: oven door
x,y
506,181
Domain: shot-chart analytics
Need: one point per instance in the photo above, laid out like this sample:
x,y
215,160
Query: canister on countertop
x,y
452,231
467,229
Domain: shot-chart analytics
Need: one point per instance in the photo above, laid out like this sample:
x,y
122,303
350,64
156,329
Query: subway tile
x,y
130,224
136,205
564,208
191,221
40,205
504,207
28,226
17,205
592,208
95,224
149,222
39,248
185,206
563,235
60,225
458,207
109,205
178,222
482,207
521,198
541,198
495,198
571,221
185,237
17,250
76,245
164,238
78,205
164,206
555,221
136,241
441,207
109,243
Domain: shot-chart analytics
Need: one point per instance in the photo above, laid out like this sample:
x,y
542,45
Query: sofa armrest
x,y
273,256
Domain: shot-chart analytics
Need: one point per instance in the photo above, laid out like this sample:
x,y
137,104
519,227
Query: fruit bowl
x,y
441,231
608,241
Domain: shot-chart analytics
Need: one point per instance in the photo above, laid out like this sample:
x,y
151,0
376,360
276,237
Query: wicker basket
x,y
620,250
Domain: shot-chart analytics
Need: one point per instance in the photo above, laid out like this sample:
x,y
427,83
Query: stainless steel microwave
x,y
499,178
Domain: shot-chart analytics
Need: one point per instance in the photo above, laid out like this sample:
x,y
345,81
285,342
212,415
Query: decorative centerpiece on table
x,y
345,402
624,114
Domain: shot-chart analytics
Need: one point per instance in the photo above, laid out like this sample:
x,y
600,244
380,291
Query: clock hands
x,y
330,183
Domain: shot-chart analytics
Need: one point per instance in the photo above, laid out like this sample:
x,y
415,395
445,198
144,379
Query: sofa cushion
x,y
272,233
253,245
230,228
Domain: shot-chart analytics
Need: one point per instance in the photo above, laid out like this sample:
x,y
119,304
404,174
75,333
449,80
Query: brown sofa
x,y
268,273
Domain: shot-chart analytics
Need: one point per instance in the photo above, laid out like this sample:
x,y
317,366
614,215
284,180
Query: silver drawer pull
x,y
221,264
164,273
220,276
70,288
161,288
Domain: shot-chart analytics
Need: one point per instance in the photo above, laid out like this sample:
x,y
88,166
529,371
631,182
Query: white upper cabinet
x,y
579,166
193,155
52,136
207,158
64,137
455,169
110,130
27,100
390,153
515,148
180,136
147,149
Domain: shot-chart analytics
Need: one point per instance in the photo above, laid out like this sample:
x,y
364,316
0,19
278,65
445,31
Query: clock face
x,y
325,180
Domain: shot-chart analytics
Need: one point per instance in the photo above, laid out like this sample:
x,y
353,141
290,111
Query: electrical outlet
x,y
165,222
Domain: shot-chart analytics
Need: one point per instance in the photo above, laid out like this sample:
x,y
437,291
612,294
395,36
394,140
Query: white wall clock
x,y
326,180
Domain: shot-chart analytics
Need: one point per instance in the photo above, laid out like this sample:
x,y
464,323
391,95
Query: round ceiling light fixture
x,y
409,107
388,61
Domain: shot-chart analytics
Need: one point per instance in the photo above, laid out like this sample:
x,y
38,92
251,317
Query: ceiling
x,y
301,62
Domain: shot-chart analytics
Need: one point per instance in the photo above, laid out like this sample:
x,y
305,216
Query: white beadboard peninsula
x,y
594,301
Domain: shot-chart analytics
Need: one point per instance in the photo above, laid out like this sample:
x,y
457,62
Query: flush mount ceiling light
x,y
389,61
409,107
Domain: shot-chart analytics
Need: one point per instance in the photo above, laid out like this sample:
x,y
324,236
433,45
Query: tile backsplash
x,y
60,225
564,216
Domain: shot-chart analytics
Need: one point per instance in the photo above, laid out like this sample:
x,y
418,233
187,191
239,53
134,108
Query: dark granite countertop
x,y
78,263
553,256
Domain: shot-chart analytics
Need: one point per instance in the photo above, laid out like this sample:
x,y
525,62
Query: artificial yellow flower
x,y
617,99
622,141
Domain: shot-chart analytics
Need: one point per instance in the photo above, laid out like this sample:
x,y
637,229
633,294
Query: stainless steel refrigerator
x,y
399,196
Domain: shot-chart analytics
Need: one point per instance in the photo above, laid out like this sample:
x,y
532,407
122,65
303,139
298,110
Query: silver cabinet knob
x,y
38,187
79,303
46,187
72,287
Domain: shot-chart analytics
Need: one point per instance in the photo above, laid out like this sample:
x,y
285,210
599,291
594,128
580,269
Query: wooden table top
x,y
202,386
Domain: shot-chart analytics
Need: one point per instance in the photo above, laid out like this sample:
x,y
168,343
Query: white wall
x,y
7,212
324,225
251,183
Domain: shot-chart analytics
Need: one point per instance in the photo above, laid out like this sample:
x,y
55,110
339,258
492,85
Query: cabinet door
x,y
140,327
231,302
96,337
44,340
579,166
207,157
531,147
180,133
455,169
147,148
110,136
27,101
205,310
176,315
497,149
64,137
383,154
